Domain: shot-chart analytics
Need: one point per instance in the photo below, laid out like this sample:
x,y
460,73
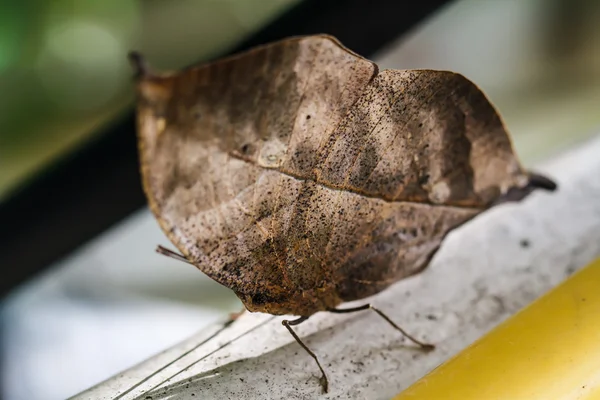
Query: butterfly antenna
x,y
170,253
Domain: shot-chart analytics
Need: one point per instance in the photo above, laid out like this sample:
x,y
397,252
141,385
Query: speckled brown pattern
x,y
301,177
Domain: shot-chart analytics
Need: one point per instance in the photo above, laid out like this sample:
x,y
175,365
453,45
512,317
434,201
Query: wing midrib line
x,y
350,190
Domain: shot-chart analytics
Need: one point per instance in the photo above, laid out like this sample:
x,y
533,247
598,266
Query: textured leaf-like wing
x,y
298,176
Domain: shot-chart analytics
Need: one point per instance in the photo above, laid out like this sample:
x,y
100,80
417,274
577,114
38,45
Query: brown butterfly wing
x,y
299,177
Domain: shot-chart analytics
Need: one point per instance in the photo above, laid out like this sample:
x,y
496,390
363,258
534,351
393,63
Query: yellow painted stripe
x,y
549,350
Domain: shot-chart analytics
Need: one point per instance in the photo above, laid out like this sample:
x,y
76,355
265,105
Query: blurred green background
x,y
64,71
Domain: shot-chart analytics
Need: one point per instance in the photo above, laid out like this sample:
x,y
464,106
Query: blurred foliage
x,y
64,71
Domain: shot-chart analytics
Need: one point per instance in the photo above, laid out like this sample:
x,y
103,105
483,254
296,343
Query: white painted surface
x,y
482,274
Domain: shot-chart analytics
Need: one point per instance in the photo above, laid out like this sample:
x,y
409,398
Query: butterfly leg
x,y
288,324
424,346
